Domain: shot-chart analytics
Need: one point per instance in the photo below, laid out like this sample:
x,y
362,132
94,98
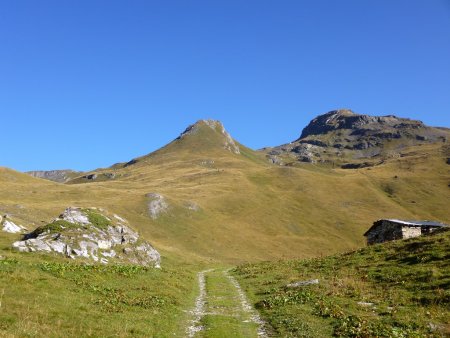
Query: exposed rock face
x,y
342,136
89,234
346,119
60,176
157,205
8,225
93,177
217,126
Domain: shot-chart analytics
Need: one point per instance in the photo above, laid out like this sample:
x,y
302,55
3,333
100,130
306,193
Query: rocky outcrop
x,y
157,205
343,137
7,225
347,119
91,235
60,176
93,177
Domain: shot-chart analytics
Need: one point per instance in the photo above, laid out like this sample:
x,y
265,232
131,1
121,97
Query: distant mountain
x,y
60,176
353,140
206,194
206,201
204,141
203,136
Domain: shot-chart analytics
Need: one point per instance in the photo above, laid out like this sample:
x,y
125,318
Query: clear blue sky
x,y
85,84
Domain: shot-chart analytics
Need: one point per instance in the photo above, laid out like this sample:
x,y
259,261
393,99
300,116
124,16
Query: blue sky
x,y
85,84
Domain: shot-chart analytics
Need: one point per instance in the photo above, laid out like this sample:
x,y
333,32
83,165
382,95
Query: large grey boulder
x,y
91,235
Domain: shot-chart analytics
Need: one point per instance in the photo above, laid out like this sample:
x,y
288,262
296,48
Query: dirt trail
x,y
222,308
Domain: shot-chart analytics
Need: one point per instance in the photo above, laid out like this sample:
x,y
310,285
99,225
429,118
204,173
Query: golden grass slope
x,y
249,209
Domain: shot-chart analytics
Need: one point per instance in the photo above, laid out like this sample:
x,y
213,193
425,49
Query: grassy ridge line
x,y
398,289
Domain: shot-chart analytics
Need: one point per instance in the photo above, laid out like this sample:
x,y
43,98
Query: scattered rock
x,y
303,283
365,304
90,176
157,205
274,159
192,206
91,235
9,226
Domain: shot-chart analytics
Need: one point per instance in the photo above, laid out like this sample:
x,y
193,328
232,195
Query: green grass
x,y
44,295
225,316
96,219
250,211
54,227
406,284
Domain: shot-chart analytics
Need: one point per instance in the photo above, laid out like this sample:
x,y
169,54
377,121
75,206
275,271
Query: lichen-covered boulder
x,y
92,235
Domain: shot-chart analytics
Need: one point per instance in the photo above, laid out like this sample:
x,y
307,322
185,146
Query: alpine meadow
x,y
225,169
207,202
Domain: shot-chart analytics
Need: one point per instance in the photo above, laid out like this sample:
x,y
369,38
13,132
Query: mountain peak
x,y
347,119
345,137
217,127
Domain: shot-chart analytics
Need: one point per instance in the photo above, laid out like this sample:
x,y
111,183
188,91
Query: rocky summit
x,y
91,235
350,139
347,119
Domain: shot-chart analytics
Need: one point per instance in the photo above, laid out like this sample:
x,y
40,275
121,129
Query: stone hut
x,y
385,230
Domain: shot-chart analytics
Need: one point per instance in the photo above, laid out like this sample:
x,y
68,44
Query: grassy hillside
x,y
396,289
287,212
224,208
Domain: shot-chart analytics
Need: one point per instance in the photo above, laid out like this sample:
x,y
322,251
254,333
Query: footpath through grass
x,y
397,289
225,312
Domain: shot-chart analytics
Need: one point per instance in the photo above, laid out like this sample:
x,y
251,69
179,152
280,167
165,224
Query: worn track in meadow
x,y
222,309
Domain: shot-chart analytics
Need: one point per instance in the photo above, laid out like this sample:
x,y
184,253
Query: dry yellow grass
x,y
249,209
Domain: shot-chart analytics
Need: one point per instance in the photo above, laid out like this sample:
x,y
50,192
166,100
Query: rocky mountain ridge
x,y
60,176
347,119
340,137
350,139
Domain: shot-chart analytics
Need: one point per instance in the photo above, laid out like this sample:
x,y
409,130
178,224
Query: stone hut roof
x,y
427,224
